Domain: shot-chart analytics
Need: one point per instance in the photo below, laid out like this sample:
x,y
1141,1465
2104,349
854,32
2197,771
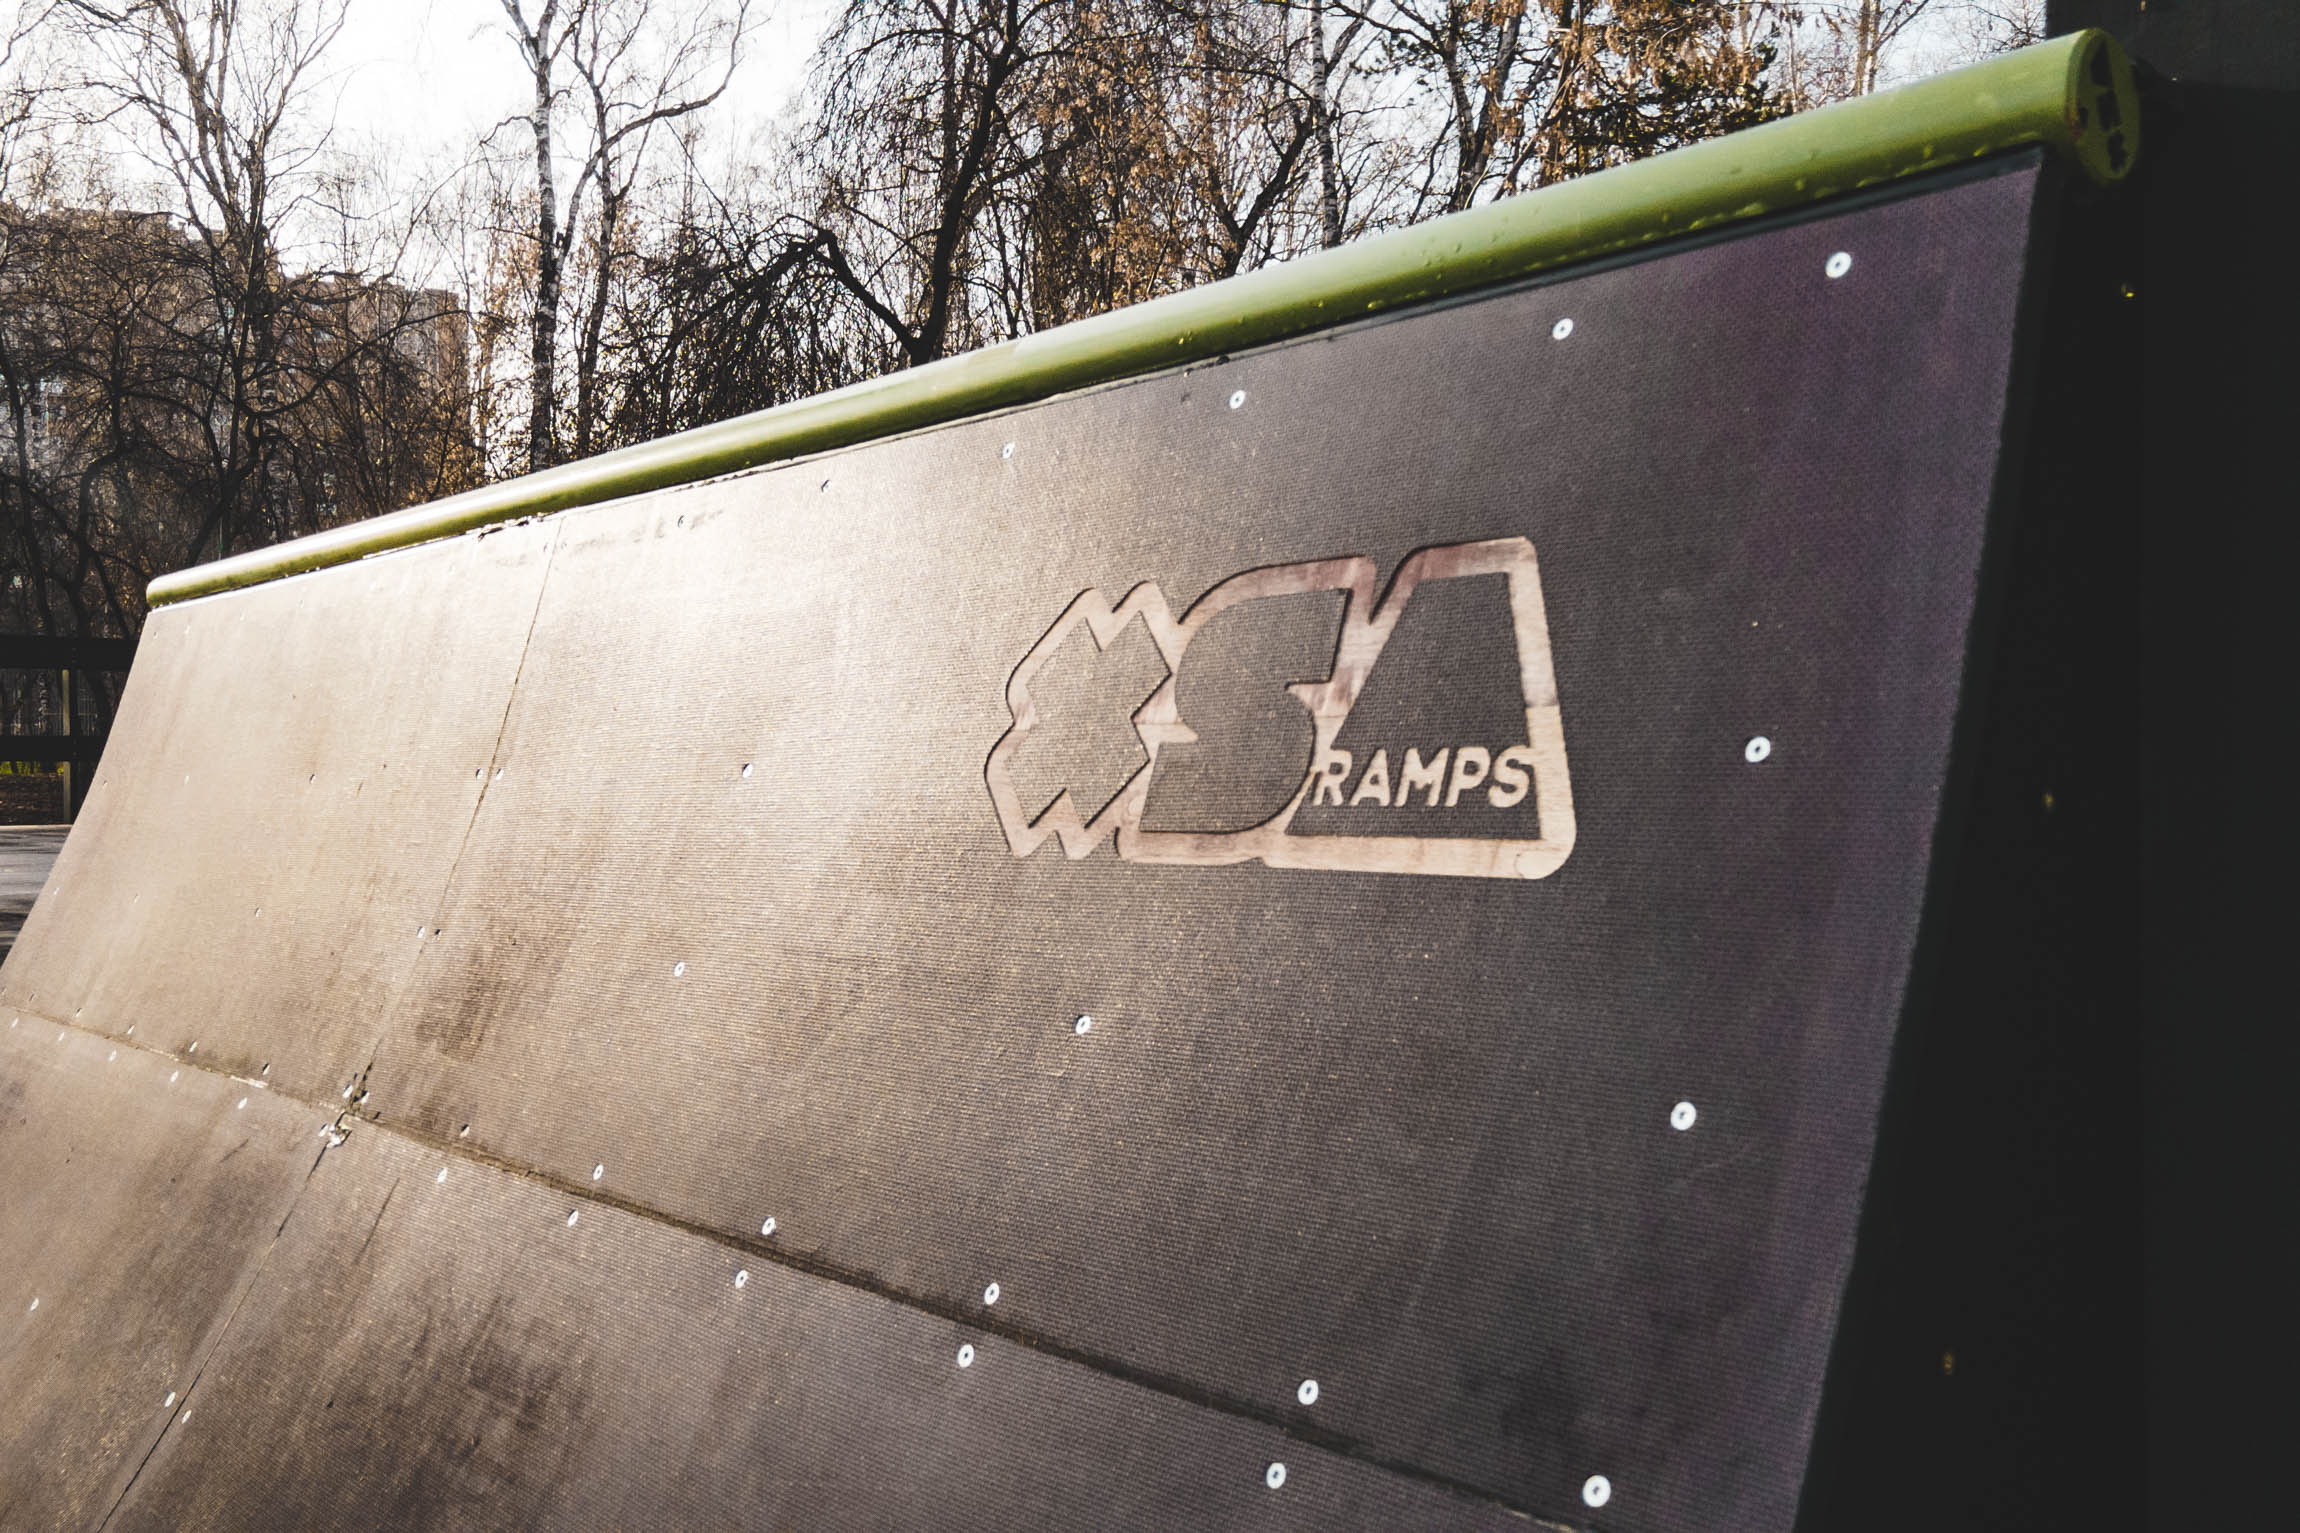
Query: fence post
x,y
71,798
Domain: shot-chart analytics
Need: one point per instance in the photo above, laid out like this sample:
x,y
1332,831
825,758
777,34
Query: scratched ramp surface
x,y
138,1201
718,925
297,795
453,1354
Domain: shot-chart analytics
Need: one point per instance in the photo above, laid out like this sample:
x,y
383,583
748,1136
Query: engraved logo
x,y
1473,778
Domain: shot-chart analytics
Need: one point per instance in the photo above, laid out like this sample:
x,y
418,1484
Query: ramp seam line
x,y
191,1385
1335,1443
1183,1392
390,1011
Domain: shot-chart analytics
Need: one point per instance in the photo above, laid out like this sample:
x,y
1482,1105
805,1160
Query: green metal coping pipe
x,y
2073,96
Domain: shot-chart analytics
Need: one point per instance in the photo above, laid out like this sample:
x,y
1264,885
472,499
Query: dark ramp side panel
x,y
1410,1136
292,774
137,1201
454,1354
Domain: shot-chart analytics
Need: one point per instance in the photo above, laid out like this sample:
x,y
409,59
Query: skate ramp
x,y
1307,939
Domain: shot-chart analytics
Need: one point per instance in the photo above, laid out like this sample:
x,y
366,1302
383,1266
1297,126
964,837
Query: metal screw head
x,y
1307,1392
1838,264
767,1227
679,969
573,1214
990,1294
442,1175
1274,1476
598,1172
243,1101
1561,330
1681,1116
1756,750
1597,1490
1082,1024
1007,451
742,1277
1238,400
746,771
966,1354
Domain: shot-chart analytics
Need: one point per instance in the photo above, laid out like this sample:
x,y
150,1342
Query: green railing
x,y
2072,96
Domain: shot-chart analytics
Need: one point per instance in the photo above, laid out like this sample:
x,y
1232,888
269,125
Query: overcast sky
x,y
432,75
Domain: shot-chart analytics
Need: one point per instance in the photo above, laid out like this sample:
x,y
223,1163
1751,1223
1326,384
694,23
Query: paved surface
x,y
25,853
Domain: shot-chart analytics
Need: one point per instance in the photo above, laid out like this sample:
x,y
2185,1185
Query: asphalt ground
x,y
25,853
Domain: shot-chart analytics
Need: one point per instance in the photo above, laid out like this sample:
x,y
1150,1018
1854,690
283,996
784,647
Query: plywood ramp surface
x,y
639,863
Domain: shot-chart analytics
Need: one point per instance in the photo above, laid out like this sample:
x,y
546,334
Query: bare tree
x,y
1999,26
634,67
1855,39
482,227
732,310
28,603
1334,60
173,389
1519,93
1248,123
931,109
223,93
1483,67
